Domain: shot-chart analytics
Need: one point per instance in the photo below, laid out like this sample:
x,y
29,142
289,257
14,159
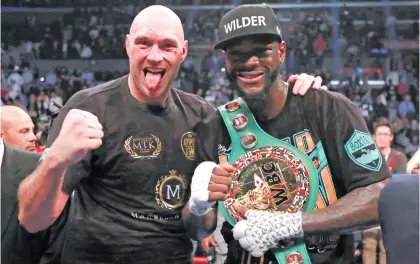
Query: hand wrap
x,y
263,230
198,203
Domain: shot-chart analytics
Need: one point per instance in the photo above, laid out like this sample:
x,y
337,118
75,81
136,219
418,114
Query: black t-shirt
x,y
129,193
330,130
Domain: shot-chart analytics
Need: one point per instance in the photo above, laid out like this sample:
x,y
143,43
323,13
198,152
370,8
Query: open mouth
x,y
250,77
154,71
153,76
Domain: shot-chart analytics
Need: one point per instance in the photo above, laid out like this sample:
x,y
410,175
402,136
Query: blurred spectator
x,y
51,78
15,81
397,161
406,108
56,102
17,129
380,109
392,106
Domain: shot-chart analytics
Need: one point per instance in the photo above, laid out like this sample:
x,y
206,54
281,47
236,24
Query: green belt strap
x,y
264,140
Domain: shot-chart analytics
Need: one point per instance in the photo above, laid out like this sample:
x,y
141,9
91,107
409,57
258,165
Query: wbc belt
x,y
269,175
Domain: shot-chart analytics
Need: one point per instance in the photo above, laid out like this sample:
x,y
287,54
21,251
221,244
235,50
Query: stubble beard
x,y
257,102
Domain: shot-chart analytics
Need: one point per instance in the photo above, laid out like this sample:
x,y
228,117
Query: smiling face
x,y
252,66
156,48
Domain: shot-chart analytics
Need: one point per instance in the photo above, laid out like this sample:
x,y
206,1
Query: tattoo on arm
x,y
355,211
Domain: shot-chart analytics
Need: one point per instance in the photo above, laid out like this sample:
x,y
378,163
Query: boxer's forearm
x,y
355,211
199,227
40,197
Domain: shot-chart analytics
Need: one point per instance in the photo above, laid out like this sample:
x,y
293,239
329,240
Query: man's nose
x,y
32,137
155,55
251,62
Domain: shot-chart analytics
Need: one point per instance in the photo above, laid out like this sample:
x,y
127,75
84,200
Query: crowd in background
x,y
99,33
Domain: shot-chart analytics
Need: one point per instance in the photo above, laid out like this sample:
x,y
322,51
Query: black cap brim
x,y
222,44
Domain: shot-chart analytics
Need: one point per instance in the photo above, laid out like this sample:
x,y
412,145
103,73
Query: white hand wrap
x,y
199,204
263,231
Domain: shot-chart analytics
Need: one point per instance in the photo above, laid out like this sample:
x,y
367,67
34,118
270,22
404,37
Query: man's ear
x,y
282,52
127,43
184,50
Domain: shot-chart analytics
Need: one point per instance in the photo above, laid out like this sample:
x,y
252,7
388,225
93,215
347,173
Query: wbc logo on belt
x,y
269,175
269,178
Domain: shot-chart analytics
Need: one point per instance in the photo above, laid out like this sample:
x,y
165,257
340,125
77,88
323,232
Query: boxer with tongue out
x,y
126,150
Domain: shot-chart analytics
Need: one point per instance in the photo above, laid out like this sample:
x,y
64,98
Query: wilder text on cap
x,y
252,21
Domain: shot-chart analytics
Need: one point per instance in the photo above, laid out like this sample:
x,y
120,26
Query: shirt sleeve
x,y
82,169
212,139
353,156
206,141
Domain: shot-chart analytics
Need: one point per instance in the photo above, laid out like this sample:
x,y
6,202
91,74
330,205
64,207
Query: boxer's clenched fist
x,y
210,183
80,133
220,182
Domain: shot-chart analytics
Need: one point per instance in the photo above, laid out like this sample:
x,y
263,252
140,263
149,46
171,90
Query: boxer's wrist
x,y
199,203
201,208
288,226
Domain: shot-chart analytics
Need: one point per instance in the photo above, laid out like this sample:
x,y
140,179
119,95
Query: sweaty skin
x,y
17,128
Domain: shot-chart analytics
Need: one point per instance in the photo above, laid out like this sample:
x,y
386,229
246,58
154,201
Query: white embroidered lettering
x,y
253,21
246,21
261,21
228,27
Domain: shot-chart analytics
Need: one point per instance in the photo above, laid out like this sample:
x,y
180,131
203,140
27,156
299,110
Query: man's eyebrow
x,y
164,39
170,40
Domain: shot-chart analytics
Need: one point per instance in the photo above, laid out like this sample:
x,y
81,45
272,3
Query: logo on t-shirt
x,y
362,150
188,145
145,147
171,190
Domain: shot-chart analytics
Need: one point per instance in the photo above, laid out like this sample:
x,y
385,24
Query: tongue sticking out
x,y
152,80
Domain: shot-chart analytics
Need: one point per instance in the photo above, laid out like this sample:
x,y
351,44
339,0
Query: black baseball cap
x,y
247,20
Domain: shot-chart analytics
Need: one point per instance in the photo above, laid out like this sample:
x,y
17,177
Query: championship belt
x,y
269,175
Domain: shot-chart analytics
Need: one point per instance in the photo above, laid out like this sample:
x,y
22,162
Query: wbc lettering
x,y
252,21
